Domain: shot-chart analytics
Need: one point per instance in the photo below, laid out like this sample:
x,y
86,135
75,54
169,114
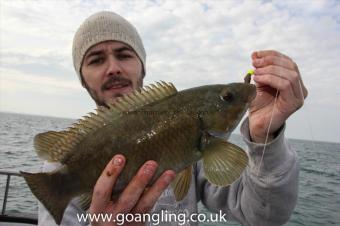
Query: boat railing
x,y
8,174
22,218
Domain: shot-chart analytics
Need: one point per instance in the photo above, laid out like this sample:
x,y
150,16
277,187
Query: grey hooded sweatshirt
x,y
260,197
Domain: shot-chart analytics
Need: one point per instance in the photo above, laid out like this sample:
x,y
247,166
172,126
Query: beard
x,y
112,80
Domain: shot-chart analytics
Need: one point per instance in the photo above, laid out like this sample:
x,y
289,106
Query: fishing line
x,y
269,125
271,119
267,134
307,118
247,79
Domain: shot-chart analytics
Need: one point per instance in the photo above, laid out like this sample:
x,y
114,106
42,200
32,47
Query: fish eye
x,y
227,97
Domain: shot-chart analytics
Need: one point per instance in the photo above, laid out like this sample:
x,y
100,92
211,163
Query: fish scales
x,y
176,129
168,146
178,137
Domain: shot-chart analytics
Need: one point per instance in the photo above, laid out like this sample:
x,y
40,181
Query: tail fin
x,y
50,189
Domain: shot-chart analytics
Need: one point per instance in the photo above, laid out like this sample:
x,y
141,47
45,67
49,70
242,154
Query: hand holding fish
x,y
274,71
135,198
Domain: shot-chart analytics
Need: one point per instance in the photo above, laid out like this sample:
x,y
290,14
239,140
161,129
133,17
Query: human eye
x,y
124,56
96,60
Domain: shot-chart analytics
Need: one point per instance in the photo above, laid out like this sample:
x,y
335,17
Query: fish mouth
x,y
247,93
252,92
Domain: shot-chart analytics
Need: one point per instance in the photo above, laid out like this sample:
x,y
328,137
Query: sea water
x,y
319,184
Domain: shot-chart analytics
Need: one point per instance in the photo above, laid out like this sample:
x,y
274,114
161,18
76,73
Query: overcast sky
x,y
189,43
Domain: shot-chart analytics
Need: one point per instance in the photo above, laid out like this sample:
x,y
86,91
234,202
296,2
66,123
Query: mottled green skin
x,y
168,131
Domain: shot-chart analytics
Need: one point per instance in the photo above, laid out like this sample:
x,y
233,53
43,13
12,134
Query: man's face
x,y
109,70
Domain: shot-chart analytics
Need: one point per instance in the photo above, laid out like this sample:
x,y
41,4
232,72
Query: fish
x,y
174,128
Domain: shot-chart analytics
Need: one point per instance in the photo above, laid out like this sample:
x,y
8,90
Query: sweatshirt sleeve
x,y
70,215
261,196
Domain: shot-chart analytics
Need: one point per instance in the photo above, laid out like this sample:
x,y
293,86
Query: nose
x,y
113,66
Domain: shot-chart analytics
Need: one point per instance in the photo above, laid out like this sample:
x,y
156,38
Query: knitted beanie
x,y
105,26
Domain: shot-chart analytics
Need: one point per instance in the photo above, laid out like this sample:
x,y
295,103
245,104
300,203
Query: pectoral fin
x,y
181,184
223,162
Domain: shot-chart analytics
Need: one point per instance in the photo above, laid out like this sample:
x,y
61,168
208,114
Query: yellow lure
x,y
247,78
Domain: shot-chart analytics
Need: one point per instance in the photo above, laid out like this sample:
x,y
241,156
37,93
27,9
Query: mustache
x,y
114,80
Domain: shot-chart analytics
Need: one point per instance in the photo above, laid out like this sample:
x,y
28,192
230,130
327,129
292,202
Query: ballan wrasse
x,y
175,129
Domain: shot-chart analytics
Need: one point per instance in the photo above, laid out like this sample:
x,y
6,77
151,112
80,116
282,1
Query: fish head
x,y
225,105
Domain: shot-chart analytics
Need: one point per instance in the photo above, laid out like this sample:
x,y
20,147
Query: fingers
x,y
103,188
263,53
135,197
273,60
289,75
281,84
136,187
150,197
291,102
278,64
303,88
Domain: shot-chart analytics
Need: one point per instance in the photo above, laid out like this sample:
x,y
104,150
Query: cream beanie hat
x,y
105,26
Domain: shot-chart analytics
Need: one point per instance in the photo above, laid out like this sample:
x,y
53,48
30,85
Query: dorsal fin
x,y
56,146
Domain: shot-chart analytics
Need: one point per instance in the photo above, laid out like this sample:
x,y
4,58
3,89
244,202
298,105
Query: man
x,y
109,58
